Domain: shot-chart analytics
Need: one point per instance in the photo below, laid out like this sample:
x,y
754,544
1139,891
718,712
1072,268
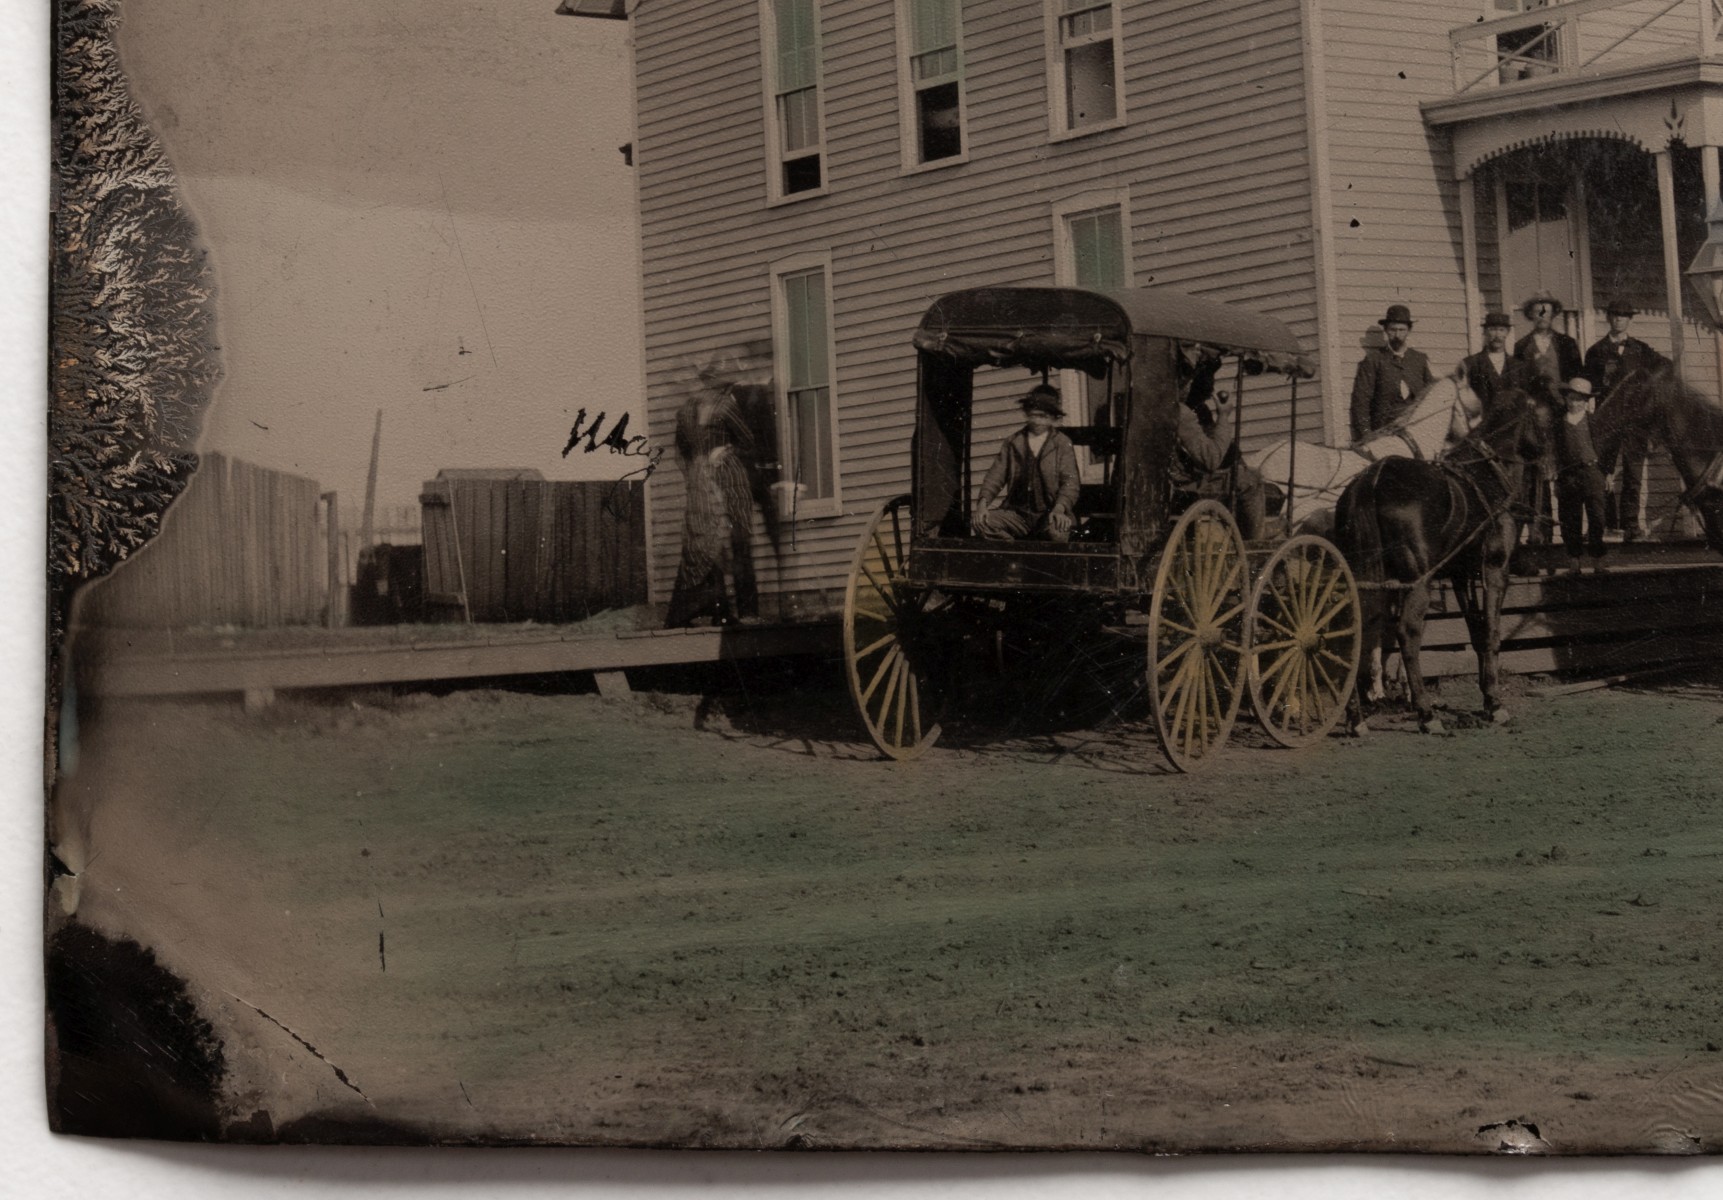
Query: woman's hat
x,y
1044,397
1538,298
1398,314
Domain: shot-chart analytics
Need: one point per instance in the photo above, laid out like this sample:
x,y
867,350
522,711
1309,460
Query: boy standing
x,y
1579,483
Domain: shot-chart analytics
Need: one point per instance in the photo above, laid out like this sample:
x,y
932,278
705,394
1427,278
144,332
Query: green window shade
x,y
797,55
808,382
1098,249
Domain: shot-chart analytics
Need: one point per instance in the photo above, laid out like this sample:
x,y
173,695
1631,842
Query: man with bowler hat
x,y
1616,356
1031,488
1390,377
1492,370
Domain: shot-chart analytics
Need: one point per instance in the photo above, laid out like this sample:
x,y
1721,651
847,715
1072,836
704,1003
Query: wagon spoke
x,y
890,692
1332,611
1268,620
1227,617
868,649
1320,675
886,592
1167,658
902,700
1280,684
1280,664
914,707
1325,652
885,664
887,562
1282,644
1334,579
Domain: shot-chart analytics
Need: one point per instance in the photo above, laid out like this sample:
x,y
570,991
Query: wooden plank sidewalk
x,y
1635,616
109,668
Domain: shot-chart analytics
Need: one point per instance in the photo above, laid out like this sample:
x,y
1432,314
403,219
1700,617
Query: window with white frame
x,y
1092,249
795,121
930,39
1085,65
801,296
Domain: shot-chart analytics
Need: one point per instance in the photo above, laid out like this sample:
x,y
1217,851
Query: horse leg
x,y
1369,661
1487,633
1413,608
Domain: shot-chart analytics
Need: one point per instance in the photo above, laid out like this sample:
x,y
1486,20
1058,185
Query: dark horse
x,y
1686,421
1404,522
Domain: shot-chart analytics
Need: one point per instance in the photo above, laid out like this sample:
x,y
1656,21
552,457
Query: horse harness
x,y
1459,485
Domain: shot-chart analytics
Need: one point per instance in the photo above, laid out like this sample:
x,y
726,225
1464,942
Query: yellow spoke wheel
x,y
1197,634
896,693
1304,637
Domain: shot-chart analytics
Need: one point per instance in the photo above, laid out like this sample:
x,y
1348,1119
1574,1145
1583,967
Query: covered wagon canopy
x,y
1052,328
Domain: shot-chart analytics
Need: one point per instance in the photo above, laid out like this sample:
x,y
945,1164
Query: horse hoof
x,y
1358,730
1433,725
1499,716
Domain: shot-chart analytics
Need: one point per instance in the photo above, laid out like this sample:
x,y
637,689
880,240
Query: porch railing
x,y
1583,37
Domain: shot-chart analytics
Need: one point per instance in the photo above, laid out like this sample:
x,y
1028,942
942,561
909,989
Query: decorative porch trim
x,y
1651,122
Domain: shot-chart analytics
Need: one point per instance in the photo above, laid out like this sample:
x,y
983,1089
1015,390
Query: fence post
x,y
332,519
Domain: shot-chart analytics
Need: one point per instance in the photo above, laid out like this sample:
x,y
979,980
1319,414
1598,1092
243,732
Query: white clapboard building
x,y
812,173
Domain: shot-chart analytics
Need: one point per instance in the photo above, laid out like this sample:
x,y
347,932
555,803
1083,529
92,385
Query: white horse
x,y
1443,413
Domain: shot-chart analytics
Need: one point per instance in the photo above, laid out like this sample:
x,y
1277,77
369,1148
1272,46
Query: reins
x,y
1461,481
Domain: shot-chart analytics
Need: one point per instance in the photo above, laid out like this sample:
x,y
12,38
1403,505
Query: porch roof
x,y
1628,69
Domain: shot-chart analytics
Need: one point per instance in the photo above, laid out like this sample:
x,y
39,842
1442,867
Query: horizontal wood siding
x,y
1396,216
1215,158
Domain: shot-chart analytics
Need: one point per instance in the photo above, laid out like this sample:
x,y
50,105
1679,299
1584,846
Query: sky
x,y
413,207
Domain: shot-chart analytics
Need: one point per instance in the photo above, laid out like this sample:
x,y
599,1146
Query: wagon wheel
x,y
1305,633
891,655
1196,635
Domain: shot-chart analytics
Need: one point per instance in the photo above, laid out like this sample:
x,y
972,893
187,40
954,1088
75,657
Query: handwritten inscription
x,y
591,437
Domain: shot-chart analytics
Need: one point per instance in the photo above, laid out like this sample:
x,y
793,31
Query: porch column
x,y
1585,302
1469,263
1671,251
1708,164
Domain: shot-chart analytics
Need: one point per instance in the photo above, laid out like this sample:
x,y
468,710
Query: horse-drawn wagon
x,y
1148,561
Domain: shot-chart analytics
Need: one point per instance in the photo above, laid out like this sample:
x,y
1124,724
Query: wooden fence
x,y
532,550
241,546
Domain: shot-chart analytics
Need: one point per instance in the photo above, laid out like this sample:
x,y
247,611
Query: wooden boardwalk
x,y
1655,606
110,663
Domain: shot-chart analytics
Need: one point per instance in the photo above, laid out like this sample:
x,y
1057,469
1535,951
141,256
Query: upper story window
x,y
795,120
802,332
930,40
1085,65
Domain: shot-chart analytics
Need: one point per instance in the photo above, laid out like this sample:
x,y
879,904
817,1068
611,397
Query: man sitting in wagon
x,y
1031,489
1204,466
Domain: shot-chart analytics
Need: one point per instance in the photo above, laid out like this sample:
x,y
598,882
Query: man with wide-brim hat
x,y
1031,489
1491,371
1551,357
1579,482
1390,377
1548,359
1613,358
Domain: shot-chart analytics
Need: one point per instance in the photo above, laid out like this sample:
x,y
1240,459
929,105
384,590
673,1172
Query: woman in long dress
x,y
715,447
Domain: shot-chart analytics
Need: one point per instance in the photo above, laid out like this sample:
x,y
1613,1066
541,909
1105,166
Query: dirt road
x,y
722,923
